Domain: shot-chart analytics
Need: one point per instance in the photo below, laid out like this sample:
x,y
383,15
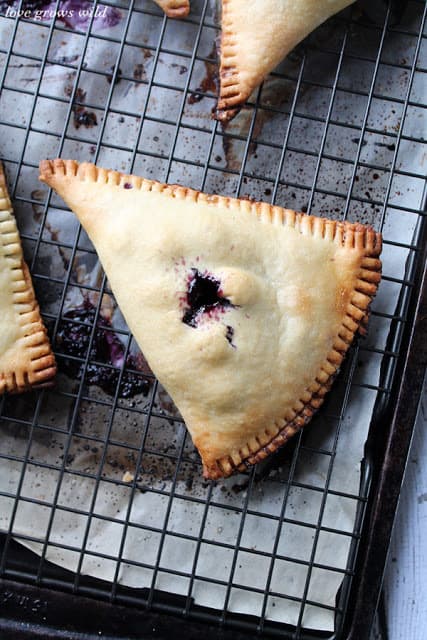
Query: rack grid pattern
x,y
363,76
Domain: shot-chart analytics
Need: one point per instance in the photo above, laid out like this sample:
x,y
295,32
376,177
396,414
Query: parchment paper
x,y
148,494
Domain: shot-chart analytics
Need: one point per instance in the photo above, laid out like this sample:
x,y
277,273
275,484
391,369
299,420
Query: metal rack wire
x,y
205,167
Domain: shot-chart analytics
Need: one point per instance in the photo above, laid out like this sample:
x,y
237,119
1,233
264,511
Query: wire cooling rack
x,y
337,130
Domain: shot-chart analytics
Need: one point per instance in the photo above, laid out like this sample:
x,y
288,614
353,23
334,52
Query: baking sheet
x,y
156,495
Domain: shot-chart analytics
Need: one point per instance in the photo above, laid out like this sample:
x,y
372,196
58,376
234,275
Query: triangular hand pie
x,y
174,8
243,310
256,36
26,359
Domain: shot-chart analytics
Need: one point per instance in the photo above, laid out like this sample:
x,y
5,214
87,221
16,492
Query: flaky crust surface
x,y
256,36
299,287
175,8
26,359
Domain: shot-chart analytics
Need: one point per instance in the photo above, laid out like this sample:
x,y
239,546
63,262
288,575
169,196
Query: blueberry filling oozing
x,y
73,339
204,297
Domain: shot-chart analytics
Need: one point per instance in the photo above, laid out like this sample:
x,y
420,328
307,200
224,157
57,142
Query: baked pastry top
x,y
243,310
26,359
254,40
174,8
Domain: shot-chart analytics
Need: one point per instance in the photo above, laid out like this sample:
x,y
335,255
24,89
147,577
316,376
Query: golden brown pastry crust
x,y
26,359
301,287
175,8
256,36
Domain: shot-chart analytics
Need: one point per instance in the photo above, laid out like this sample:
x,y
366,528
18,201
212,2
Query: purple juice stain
x,y
73,338
204,298
84,117
27,5
75,14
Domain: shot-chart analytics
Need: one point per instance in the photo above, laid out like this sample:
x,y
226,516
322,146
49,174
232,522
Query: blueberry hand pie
x,y
256,36
243,310
26,359
175,8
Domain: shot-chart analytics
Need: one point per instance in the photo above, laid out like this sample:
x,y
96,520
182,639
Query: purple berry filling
x,y
203,298
73,338
76,14
229,335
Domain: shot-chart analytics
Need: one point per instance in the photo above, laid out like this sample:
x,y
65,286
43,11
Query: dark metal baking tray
x,y
39,599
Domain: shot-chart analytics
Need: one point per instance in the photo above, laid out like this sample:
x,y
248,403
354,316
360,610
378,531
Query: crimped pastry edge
x,y
344,234
38,362
231,97
234,89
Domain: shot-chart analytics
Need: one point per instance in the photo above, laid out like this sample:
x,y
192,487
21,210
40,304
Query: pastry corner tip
x,y
211,471
225,114
174,9
50,168
45,169
59,168
180,12
213,476
219,469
